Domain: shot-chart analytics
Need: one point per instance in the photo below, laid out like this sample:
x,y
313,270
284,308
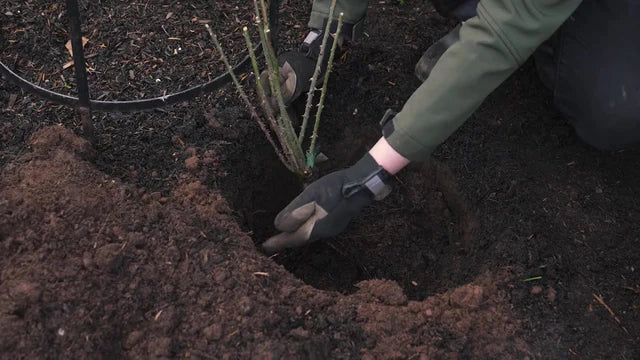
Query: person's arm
x,y
492,46
387,157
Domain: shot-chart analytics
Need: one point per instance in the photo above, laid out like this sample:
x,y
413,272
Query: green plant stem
x,y
323,93
245,98
274,79
316,72
265,15
283,120
266,107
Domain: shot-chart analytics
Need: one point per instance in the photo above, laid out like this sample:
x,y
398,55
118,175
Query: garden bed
x,y
130,252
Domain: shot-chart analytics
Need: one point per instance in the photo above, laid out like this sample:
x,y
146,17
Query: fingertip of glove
x,y
290,221
273,244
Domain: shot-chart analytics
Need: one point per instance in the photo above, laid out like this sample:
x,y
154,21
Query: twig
x,y
601,301
323,93
316,72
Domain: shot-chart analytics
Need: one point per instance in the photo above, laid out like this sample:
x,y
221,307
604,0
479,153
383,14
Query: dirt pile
x,y
94,267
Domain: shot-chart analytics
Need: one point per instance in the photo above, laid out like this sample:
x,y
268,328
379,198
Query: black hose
x,y
144,104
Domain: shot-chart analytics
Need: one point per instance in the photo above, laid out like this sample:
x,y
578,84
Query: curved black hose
x,y
144,104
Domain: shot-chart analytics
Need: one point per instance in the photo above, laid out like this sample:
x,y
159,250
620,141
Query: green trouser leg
x,y
354,11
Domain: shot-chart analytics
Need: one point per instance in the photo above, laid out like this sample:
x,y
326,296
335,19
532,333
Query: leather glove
x,y
325,208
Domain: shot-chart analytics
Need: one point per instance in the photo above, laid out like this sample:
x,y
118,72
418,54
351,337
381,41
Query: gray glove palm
x,y
325,208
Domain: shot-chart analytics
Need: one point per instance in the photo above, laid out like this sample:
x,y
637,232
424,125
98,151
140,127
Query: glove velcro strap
x,y
375,183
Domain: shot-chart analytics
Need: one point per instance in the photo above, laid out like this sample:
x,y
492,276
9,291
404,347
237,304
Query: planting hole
x,y
417,236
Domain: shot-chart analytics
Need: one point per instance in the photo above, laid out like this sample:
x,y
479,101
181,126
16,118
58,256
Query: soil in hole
x,y
417,236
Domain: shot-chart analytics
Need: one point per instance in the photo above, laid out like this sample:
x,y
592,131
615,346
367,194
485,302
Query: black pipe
x,y
84,102
130,105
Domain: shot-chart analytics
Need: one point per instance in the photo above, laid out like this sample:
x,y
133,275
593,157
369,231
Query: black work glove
x,y
325,208
296,68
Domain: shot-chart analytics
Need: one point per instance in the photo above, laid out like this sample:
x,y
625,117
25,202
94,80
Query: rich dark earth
x,y
513,240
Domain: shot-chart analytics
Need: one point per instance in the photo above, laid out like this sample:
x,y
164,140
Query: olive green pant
x,y
354,11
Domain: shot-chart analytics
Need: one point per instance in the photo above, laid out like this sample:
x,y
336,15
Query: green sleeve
x,y
492,46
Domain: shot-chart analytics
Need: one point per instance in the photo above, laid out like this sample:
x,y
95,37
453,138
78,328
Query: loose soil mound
x,y
514,183
92,267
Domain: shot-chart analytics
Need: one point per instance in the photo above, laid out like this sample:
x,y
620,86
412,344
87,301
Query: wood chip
x,y
169,15
70,47
12,101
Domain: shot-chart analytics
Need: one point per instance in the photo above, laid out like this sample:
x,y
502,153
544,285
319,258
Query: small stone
x,y
26,293
208,161
107,255
219,276
598,190
213,332
154,196
245,305
191,151
470,296
428,312
132,339
536,290
551,294
192,163
299,333
87,260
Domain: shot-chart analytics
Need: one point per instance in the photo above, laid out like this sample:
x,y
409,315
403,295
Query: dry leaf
x,y
70,48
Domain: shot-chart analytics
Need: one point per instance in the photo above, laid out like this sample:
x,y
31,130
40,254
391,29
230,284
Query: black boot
x,y
434,52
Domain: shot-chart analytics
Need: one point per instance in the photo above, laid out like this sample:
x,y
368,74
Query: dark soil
x,y
128,248
94,267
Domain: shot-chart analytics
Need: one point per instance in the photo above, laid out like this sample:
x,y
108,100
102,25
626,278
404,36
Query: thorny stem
x,y
263,99
284,120
265,16
316,72
243,95
323,93
274,71
270,62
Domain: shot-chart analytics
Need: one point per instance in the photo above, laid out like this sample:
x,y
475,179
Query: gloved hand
x,y
326,207
296,68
